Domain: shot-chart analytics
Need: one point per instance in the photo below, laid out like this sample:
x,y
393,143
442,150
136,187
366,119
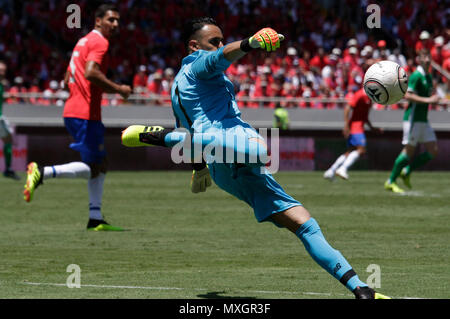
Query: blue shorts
x,y
253,185
259,190
89,139
355,140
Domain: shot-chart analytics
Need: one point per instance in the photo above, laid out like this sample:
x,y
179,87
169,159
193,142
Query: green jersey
x,y
281,118
1,99
419,83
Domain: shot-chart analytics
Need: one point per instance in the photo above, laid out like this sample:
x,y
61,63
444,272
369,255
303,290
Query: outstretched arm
x,y
215,62
267,39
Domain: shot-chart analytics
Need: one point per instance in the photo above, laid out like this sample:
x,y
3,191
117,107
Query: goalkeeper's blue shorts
x,y
253,185
259,190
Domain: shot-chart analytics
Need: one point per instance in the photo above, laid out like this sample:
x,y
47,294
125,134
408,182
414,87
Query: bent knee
x,y
292,218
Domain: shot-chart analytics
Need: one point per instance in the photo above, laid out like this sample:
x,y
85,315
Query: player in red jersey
x,y
359,108
86,80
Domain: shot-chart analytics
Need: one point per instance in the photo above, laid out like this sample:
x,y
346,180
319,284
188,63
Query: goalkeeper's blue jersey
x,y
203,97
203,101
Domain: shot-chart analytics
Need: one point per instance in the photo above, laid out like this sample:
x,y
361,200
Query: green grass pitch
x,y
209,245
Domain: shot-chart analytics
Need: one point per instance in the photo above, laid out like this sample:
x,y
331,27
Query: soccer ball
x,y
385,82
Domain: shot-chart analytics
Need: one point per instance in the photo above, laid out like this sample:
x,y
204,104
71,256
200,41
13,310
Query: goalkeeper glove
x,y
266,38
200,180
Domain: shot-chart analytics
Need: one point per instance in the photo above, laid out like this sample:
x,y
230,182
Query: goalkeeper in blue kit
x,y
204,104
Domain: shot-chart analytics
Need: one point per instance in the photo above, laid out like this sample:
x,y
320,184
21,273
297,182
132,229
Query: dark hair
x,y
101,10
192,26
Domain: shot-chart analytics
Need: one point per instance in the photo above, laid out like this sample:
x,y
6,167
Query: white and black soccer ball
x,y
385,82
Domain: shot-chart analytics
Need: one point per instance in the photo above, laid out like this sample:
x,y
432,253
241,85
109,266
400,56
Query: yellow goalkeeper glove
x,y
267,39
200,180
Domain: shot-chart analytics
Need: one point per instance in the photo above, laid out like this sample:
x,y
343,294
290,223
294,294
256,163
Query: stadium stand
x,y
324,64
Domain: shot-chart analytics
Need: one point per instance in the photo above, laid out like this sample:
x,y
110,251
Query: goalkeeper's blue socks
x,y
224,147
326,256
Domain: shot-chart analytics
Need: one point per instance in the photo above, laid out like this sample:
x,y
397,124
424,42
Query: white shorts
x,y
5,128
417,132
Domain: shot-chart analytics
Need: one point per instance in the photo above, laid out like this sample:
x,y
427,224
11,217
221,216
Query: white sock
x,y
95,187
69,170
338,162
351,158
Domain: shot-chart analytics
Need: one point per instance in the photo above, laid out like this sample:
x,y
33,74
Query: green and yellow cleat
x,y
380,296
368,293
34,179
393,187
141,135
406,179
101,225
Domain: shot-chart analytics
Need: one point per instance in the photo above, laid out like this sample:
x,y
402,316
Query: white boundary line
x,y
201,289
178,288
107,286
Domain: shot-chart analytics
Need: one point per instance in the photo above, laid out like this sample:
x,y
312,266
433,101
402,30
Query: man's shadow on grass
x,y
217,295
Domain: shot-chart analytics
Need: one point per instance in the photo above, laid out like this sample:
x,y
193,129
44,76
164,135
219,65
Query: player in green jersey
x,y
280,118
5,130
416,128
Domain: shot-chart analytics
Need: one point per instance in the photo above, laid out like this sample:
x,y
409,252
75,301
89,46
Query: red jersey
x,y
85,97
361,105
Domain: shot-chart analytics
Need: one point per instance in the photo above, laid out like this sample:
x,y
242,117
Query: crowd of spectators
x,y
327,49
